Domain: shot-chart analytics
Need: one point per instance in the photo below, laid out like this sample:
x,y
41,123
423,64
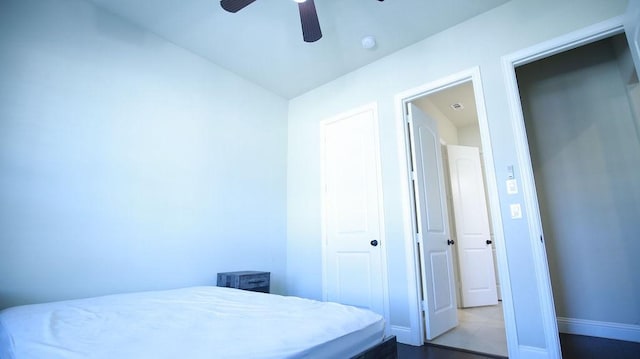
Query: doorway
x,y
584,143
552,324
480,318
455,107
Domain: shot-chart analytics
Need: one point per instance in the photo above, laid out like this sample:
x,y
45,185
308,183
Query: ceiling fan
x,y
308,16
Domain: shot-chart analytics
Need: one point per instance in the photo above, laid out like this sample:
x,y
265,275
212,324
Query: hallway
x,y
480,329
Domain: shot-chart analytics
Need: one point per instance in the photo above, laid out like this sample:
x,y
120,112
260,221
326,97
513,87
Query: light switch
x,y
512,186
516,211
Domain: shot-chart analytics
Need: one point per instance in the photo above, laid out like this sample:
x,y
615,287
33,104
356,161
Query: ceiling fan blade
x,y
235,5
309,19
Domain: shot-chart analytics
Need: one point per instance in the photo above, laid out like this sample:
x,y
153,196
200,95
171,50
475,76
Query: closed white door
x,y
438,284
352,208
475,252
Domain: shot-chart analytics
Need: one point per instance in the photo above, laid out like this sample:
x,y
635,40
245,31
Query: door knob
x,y
489,241
374,243
450,242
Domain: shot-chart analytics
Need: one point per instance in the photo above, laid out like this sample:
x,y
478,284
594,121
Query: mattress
x,y
195,322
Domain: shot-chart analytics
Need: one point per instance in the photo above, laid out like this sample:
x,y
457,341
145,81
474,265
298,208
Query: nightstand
x,y
247,280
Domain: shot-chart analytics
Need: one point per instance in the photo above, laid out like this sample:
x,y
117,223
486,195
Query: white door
x,y
438,284
352,225
475,252
632,29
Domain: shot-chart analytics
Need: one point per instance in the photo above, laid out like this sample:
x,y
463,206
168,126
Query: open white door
x,y
352,226
632,29
438,284
475,252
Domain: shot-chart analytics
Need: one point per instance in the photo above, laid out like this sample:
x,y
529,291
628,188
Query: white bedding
x,y
197,322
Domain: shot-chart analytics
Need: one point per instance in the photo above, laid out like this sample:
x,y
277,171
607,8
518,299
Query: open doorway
x,y
455,252
480,316
595,134
583,130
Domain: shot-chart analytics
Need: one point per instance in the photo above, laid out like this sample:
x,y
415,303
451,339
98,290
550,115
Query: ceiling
x,y
461,94
263,42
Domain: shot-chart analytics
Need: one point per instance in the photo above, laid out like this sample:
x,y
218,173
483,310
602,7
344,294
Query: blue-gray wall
x,y
127,163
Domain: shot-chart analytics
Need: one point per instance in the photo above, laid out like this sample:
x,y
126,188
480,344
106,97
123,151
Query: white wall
x,y
470,136
585,153
446,129
480,41
127,163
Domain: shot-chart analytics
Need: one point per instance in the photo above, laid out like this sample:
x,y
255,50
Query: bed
x,y
195,322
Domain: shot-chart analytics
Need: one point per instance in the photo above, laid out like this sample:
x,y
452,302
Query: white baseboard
x,y
619,331
404,335
527,352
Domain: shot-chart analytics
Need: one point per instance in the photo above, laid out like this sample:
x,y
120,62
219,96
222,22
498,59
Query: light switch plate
x,y
516,211
512,186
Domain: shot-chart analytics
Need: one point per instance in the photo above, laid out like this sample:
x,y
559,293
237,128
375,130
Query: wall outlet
x,y
516,211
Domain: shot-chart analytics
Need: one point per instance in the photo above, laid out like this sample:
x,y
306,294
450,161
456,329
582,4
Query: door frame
x,y
510,62
416,337
373,107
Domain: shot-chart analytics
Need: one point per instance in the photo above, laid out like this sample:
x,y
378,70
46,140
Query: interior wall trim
x,y
403,334
594,328
529,352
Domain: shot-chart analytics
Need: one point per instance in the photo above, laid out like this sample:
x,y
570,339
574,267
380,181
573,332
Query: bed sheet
x,y
195,322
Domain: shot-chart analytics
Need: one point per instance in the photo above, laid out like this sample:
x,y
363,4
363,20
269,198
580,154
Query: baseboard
x,y
404,335
592,328
527,352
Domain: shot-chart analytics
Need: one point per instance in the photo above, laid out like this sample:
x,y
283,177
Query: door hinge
x,y
413,175
418,238
423,305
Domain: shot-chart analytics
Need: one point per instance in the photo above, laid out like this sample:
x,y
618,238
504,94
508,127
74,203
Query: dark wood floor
x,y
429,351
573,347
578,346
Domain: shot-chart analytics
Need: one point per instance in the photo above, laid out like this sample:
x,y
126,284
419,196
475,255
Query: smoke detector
x,y
368,42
